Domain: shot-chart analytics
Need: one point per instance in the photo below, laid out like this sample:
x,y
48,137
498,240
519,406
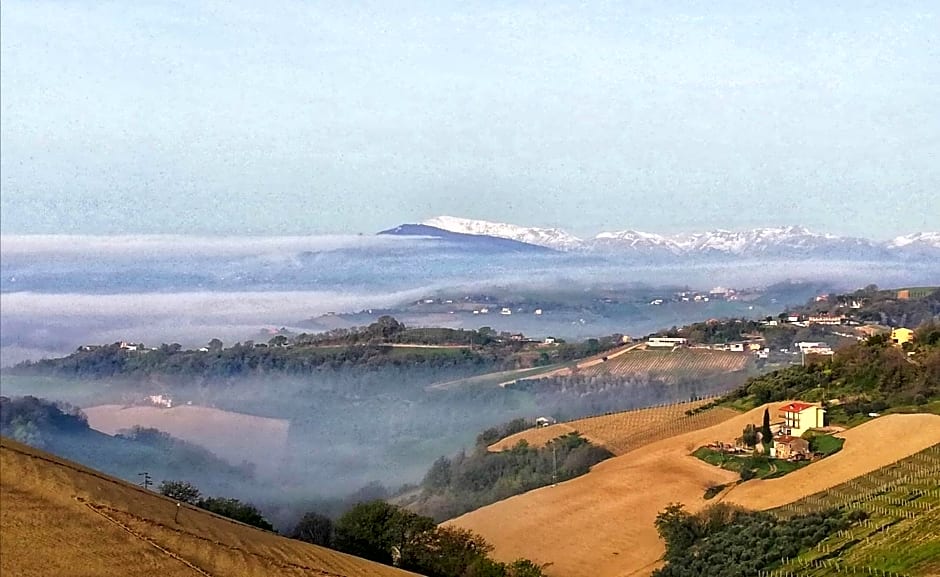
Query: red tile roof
x,y
796,407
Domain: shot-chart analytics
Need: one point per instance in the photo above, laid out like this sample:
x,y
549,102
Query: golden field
x,y
60,518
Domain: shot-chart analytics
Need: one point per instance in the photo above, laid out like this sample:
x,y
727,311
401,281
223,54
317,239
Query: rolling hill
x,y
60,518
602,523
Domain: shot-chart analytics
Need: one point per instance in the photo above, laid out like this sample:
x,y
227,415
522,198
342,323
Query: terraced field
x,y
676,363
901,536
623,432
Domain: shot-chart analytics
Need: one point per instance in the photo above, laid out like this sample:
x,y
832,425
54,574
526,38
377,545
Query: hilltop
x,y
59,518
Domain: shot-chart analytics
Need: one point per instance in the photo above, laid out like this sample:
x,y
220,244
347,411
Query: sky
x,y
300,118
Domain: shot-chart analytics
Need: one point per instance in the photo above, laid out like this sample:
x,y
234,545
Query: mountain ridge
x,y
764,241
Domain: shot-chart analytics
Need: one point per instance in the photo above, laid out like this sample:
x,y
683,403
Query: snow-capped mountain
x,y
786,241
922,239
549,237
759,241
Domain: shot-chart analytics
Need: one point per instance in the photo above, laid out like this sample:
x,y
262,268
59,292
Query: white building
x,y
666,342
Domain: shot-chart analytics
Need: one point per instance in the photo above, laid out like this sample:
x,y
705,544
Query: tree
x,y
381,532
181,491
215,345
235,509
314,528
749,435
278,341
447,552
765,433
678,528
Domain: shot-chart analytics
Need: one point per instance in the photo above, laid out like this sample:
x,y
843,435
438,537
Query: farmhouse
x,y
789,447
801,417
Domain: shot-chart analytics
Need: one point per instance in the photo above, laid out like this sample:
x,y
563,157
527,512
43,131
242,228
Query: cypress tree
x,y
766,435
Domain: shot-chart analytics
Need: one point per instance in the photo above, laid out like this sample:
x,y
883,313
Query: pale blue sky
x,y
310,117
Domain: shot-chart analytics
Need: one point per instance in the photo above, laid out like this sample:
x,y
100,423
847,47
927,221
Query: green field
x,y
900,537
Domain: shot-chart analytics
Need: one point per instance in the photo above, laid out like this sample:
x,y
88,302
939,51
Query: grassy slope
x,y
60,518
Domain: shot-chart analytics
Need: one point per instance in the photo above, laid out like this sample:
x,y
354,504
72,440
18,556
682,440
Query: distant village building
x,y
826,319
664,342
736,347
538,312
901,335
904,294
505,311
124,346
544,421
807,347
160,401
549,340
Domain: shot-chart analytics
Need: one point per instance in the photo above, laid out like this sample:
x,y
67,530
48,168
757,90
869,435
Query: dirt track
x,y
601,524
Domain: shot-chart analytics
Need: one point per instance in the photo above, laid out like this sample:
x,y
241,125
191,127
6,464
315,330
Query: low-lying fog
x,y
349,426
60,292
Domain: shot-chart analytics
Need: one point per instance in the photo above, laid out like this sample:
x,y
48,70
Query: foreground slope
x,y
602,524
59,518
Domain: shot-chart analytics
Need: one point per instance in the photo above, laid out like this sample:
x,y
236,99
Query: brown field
x,y
59,518
601,524
622,432
261,440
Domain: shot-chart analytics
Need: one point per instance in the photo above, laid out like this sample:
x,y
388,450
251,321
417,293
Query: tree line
x,y
378,531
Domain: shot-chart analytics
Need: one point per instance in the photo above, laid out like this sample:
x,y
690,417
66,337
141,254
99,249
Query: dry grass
x,y
261,440
622,432
59,518
601,524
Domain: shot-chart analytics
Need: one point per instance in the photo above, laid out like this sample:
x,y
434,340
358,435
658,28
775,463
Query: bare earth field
x,y
601,524
622,432
59,518
261,440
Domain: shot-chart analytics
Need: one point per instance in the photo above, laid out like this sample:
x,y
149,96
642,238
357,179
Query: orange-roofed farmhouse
x,y
801,417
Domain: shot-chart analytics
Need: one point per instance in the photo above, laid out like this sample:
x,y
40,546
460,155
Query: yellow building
x,y
901,336
801,417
